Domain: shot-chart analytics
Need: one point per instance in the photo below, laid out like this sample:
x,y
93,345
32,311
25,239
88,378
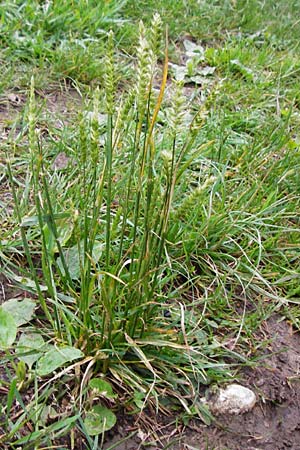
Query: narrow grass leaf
x,y
57,426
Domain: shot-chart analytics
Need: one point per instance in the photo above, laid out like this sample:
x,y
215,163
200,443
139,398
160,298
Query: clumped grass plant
x,y
102,270
170,232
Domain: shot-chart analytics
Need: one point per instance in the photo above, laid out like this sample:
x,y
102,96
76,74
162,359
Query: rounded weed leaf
x,y
99,420
31,343
55,358
102,387
8,329
21,310
74,258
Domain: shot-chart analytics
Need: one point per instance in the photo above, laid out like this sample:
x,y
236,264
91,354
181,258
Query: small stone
x,y
14,98
62,161
234,399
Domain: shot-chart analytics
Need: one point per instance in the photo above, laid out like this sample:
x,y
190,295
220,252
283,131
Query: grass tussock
x,y
151,232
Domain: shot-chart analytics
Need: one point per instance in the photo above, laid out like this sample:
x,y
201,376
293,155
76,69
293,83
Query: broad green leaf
x,y
192,73
31,343
179,72
102,387
139,399
8,329
73,258
199,79
29,221
99,420
21,310
193,50
21,371
64,230
55,358
66,298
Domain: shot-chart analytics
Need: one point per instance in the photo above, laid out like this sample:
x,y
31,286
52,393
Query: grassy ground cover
x,y
149,205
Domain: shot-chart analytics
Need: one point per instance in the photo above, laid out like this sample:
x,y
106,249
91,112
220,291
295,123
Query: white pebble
x,y
234,399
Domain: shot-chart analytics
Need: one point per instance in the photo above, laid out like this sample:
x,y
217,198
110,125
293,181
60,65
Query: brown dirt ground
x,y
60,102
273,424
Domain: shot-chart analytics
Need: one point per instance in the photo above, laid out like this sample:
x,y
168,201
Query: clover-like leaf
x,y
102,388
99,419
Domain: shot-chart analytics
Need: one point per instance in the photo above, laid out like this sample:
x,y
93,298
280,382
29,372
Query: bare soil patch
x,y
273,424
62,101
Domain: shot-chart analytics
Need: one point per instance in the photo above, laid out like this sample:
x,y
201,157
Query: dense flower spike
x,y
177,110
155,37
144,71
110,74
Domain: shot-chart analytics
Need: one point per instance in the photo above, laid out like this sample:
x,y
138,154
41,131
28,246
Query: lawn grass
x,y
153,254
